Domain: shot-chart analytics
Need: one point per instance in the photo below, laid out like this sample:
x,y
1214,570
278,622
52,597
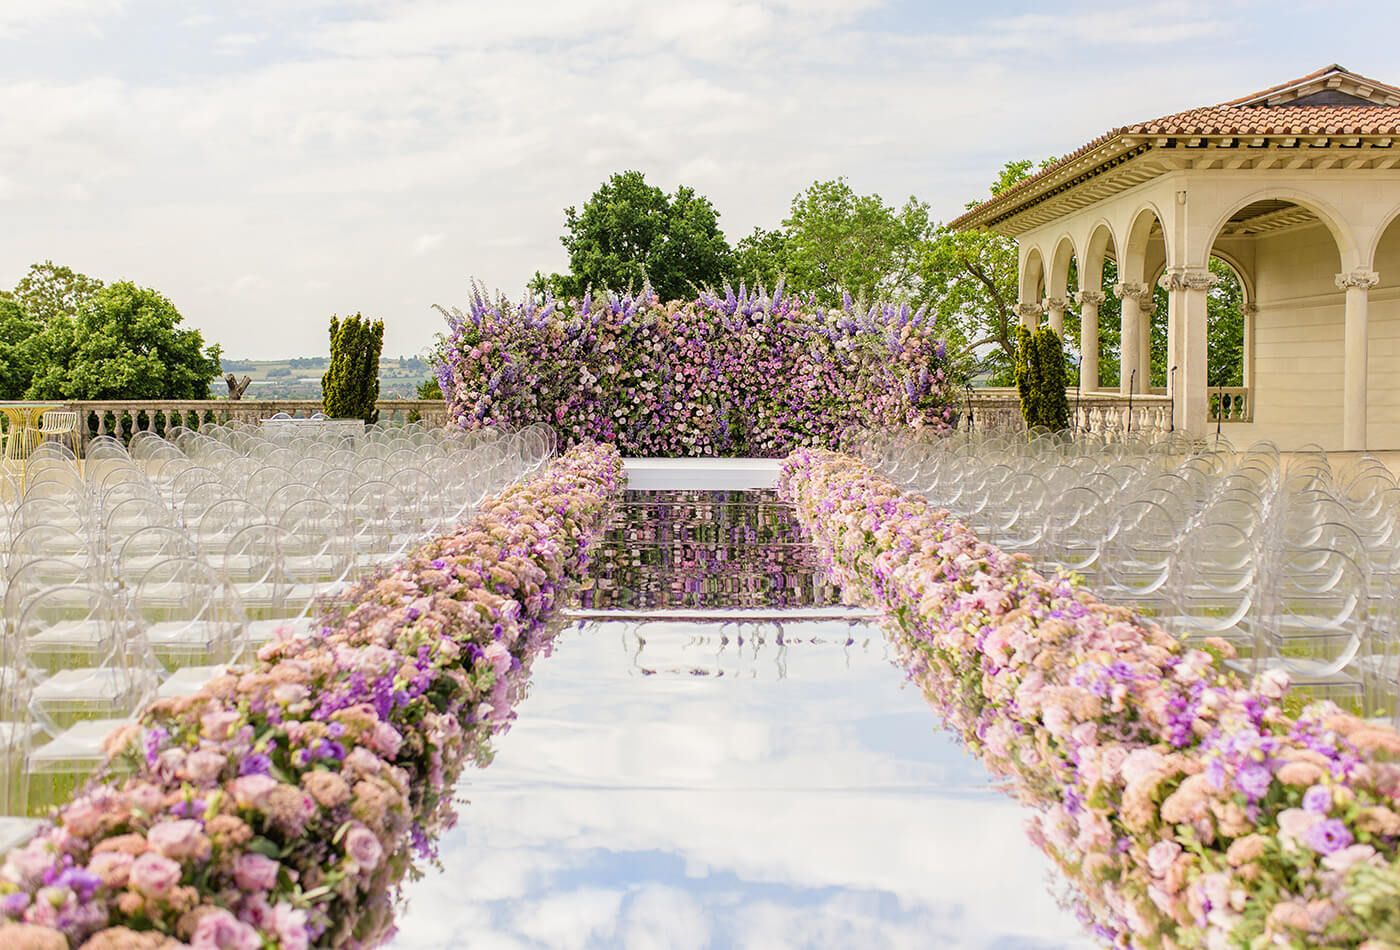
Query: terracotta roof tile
x,y
1276,120
1234,120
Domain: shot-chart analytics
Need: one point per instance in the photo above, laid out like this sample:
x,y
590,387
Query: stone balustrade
x,y
123,418
1093,412
1230,404
989,408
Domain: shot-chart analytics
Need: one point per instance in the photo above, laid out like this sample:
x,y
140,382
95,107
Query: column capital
x,y
1359,279
1187,278
1148,307
1056,303
1127,290
1027,311
1091,298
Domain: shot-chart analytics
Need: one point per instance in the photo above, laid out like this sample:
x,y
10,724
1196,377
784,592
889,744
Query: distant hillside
x,y
300,377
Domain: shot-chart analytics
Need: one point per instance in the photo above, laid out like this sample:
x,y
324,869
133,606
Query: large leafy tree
x,y
838,241
125,342
19,348
50,291
630,232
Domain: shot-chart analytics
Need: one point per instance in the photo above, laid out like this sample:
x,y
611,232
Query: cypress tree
x,y
350,387
1053,403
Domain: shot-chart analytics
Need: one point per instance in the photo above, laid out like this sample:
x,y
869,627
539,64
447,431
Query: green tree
x,y
630,232
760,259
970,281
1053,402
350,386
125,342
430,389
19,348
49,291
837,241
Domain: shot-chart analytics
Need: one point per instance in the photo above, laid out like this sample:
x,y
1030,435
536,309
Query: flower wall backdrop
x,y
1186,807
279,806
745,374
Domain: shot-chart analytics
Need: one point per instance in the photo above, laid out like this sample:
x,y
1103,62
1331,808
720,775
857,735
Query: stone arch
x,y
1096,250
1134,252
1032,282
1348,250
1379,236
1057,281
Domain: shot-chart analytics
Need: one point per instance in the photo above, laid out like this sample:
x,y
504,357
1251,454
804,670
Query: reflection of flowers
x,y
279,806
744,374
666,550
1188,808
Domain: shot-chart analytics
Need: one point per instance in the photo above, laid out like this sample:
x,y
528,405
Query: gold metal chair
x,y
63,426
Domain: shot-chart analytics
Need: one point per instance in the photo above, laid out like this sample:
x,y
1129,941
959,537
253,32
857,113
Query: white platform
x,y
691,474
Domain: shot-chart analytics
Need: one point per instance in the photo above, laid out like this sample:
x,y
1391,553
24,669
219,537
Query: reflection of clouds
x,y
819,810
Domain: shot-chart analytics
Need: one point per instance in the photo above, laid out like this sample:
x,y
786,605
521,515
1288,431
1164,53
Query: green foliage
x,y
836,241
760,260
1040,379
125,342
350,386
1025,387
1054,404
630,232
50,291
1225,326
429,389
19,348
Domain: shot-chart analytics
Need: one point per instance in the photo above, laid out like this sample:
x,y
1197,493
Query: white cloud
x,y
344,132
426,243
19,16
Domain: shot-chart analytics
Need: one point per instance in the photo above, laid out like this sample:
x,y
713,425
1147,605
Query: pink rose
x,y
363,847
145,797
114,867
249,791
203,765
255,872
219,724
290,924
385,740
26,865
1160,857
220,930
1141,763
154,875
179,839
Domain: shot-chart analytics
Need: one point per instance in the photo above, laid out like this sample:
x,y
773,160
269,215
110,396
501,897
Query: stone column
x,y
1132,295
1357,284
1029,314
1056,306
1186,289
1089,302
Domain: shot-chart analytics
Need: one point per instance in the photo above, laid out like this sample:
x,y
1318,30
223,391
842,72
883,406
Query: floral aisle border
x,y
743,374
279,806
1187,807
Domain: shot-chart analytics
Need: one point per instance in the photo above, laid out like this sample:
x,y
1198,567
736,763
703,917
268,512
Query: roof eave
x,y
1015,199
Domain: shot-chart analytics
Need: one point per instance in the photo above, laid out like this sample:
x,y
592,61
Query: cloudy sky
x,y
270,162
